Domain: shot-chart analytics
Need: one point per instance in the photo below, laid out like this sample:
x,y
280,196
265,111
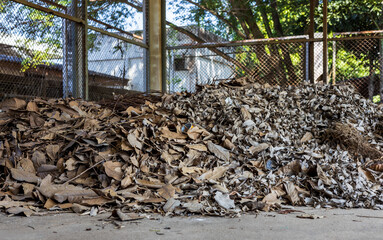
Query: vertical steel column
x,y
325,47
155,58
381,68
311,43
86,47
163,44
146,41
75,53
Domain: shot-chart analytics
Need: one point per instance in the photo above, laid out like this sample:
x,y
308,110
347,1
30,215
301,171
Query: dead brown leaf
x,y
24,176
167,191
113,170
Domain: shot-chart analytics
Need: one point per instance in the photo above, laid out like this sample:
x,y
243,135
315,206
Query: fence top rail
x,y
244,43
358,33
250,42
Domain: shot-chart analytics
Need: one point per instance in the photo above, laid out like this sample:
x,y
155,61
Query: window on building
x,y
180,64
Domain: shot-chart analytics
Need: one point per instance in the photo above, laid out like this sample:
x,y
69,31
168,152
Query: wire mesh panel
x,y
272,63
30,52
358,62
114,67
44,55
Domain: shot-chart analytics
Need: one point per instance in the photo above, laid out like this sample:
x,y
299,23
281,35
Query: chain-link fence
x,y
283,61
31,55
273,63
352,58
69,48
114,67
357,59
48,49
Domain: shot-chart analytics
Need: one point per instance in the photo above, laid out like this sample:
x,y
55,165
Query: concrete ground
x,y
335,224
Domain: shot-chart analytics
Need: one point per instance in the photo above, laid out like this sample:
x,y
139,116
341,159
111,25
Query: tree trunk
x,y
292,77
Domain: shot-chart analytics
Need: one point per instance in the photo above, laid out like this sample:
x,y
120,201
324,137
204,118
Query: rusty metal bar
x,y
325,47
333,62
358,33
311,43
115,28
355,38
381,69
86,47
242,43
50,11
264,41
94,20
53,4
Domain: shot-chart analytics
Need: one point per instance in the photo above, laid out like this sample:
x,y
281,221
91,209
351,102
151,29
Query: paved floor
x,y
336,224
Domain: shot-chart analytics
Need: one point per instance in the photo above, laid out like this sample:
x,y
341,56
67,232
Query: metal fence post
x,y
146,41
333,62
311,43
155,58
325,47
85,46
381,68
75,53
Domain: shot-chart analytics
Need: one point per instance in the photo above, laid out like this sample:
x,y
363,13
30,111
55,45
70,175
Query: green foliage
x,y
39,57
175,81
40,33
350,66
353,15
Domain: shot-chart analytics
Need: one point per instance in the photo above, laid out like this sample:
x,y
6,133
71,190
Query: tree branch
x,y
222,18
215,50
133,5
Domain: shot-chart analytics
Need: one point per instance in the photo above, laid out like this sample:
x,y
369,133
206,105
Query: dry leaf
x,y
13,103
32,107
113,170
133,141
326,180
52,151
149,184
38,158
376,167
167,191
224,200
24,176
125,216
292,193
198,147
172,135
126,182
367,174
17,210
27,165
258,148
219,152
307,137
214,174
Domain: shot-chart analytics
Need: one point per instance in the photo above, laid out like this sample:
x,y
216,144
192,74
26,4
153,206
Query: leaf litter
x,y
220,151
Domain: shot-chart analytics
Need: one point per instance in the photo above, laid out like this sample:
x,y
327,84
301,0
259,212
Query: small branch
x,y
91,167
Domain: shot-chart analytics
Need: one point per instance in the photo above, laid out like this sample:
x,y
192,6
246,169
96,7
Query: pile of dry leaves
x,y
223,150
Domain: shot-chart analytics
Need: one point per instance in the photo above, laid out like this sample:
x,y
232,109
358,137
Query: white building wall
x,y
107,60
